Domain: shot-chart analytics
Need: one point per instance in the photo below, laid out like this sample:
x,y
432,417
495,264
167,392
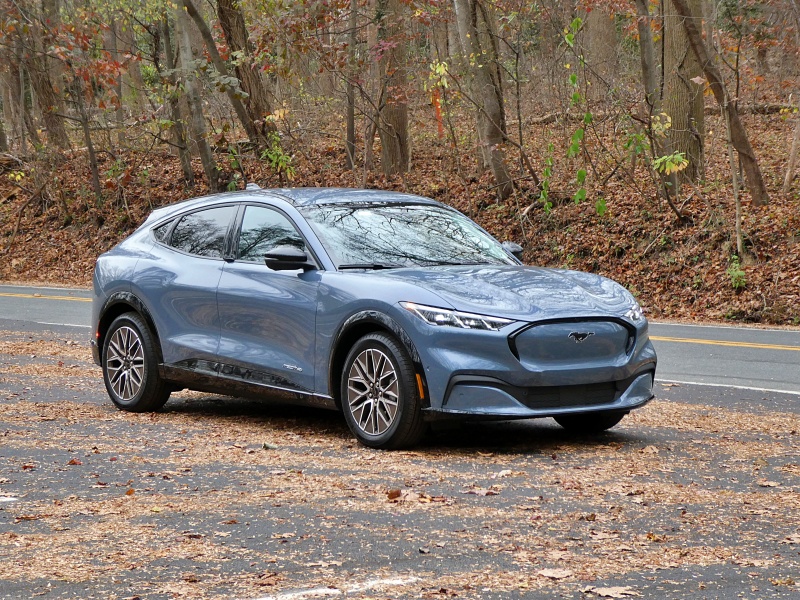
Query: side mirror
x,y
514,249
288,258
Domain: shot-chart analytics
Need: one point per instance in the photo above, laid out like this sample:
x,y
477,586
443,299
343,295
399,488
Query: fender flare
x,y
382,321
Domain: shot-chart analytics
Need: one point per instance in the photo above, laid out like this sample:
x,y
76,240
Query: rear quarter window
x,y
162,232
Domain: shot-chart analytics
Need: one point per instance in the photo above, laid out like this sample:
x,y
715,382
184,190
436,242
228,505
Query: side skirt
x,y
216,381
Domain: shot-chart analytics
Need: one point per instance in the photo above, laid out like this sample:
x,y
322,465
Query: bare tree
x,y
739,139
485,85
257,102
393,108
195,103
231,84
682,97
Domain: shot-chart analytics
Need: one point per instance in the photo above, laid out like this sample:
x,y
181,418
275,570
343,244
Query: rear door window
x,y
202,233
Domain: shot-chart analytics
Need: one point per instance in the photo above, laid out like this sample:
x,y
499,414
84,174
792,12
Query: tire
x,y
588,423
379,395
130,366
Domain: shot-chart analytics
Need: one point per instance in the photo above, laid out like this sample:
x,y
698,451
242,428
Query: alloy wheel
x,y
125,363
373,391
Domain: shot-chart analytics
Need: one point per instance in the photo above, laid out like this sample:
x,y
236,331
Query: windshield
x,y
401,235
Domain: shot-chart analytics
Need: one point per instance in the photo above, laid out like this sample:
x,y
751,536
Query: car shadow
x,y
528,436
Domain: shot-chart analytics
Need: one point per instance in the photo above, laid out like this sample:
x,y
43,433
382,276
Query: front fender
x,y
358,325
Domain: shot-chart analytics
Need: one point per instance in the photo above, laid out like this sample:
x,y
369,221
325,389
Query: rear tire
x,y
379,395
130,366
588,423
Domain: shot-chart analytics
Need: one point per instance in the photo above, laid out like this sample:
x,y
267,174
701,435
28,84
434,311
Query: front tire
x,y
380,399
588,423
130,366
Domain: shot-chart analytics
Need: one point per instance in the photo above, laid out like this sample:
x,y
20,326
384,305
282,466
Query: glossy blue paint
x,y
268,321
242,321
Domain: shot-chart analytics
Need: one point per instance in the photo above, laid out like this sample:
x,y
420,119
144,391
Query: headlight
x,y
635,313
454,318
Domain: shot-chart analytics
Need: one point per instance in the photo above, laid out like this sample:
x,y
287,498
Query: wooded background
x,y
513,104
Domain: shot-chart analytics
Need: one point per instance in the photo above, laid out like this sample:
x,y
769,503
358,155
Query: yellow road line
x,y
43,297
659,338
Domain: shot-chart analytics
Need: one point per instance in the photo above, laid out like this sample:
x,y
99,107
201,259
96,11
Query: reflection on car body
x,y
393,308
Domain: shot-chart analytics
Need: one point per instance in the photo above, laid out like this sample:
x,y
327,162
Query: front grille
x,y
572,344
566,396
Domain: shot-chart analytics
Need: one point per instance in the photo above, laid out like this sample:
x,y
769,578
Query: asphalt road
x,y
742,357
696,495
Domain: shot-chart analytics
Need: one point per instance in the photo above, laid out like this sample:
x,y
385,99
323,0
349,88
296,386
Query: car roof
x,y
310,196
299,197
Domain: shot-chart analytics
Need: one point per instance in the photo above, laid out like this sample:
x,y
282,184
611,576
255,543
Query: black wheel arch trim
x,y
132,301
380,321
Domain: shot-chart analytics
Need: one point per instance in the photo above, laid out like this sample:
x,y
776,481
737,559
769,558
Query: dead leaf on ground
x,y
555,573
611,592
791,539
490,491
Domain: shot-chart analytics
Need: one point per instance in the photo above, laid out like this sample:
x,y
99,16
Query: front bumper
x,y
538,369
492,398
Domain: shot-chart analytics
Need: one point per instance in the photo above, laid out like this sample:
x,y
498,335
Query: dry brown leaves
x,y
678,270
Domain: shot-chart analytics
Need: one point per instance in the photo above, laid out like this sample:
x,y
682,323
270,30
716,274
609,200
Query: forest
x,y
652,141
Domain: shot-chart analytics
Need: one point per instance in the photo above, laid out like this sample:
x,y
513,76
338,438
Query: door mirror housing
x,y
288,258
513,249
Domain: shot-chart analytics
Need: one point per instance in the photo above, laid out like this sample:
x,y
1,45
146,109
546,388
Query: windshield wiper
x,y
445,263
373,266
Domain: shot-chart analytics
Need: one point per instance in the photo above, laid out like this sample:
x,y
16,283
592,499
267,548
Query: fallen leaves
x,y
555,573
492,490
791,539
768,484
21,518
611,592
397,496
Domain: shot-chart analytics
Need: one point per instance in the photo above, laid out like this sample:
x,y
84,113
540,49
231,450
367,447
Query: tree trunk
x,y
752,172
393,115
26,124
49,102
372,95
647,56
234,94
787,180
9,114
133,81
178,120
486,96
258,104
119,113
77,91
660,146
601,51
43,73
195,104
3,136
683,98
350,144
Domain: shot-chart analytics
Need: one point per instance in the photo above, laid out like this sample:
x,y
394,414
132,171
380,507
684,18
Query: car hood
x,y
519,292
